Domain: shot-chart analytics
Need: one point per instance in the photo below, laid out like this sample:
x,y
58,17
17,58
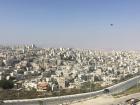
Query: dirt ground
x,y
102,100
108,100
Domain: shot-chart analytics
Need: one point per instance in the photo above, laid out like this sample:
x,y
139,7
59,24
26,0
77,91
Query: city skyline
x,y
71,23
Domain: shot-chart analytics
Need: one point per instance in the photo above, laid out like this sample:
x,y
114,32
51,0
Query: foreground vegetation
x,y
132,90
6,93
10,94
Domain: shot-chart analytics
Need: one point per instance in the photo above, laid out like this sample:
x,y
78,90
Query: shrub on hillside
x,y
6,84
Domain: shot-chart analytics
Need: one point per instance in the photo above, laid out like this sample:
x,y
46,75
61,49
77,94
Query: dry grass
x,y
135,89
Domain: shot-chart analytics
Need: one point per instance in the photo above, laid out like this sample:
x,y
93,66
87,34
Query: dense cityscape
x,y
52,69
69,52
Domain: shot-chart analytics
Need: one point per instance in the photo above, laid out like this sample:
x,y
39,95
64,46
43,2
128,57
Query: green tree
x,y
6,84
97,78
87,86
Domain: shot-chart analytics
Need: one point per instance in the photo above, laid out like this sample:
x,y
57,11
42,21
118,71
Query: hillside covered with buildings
x,y
54,69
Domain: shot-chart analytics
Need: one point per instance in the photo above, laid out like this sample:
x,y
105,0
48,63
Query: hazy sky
x,y
71,23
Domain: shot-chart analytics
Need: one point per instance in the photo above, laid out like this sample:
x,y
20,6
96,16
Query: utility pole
x,y
90,88
137,84
59,91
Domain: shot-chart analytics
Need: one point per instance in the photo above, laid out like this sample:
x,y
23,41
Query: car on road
x,y
106,91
